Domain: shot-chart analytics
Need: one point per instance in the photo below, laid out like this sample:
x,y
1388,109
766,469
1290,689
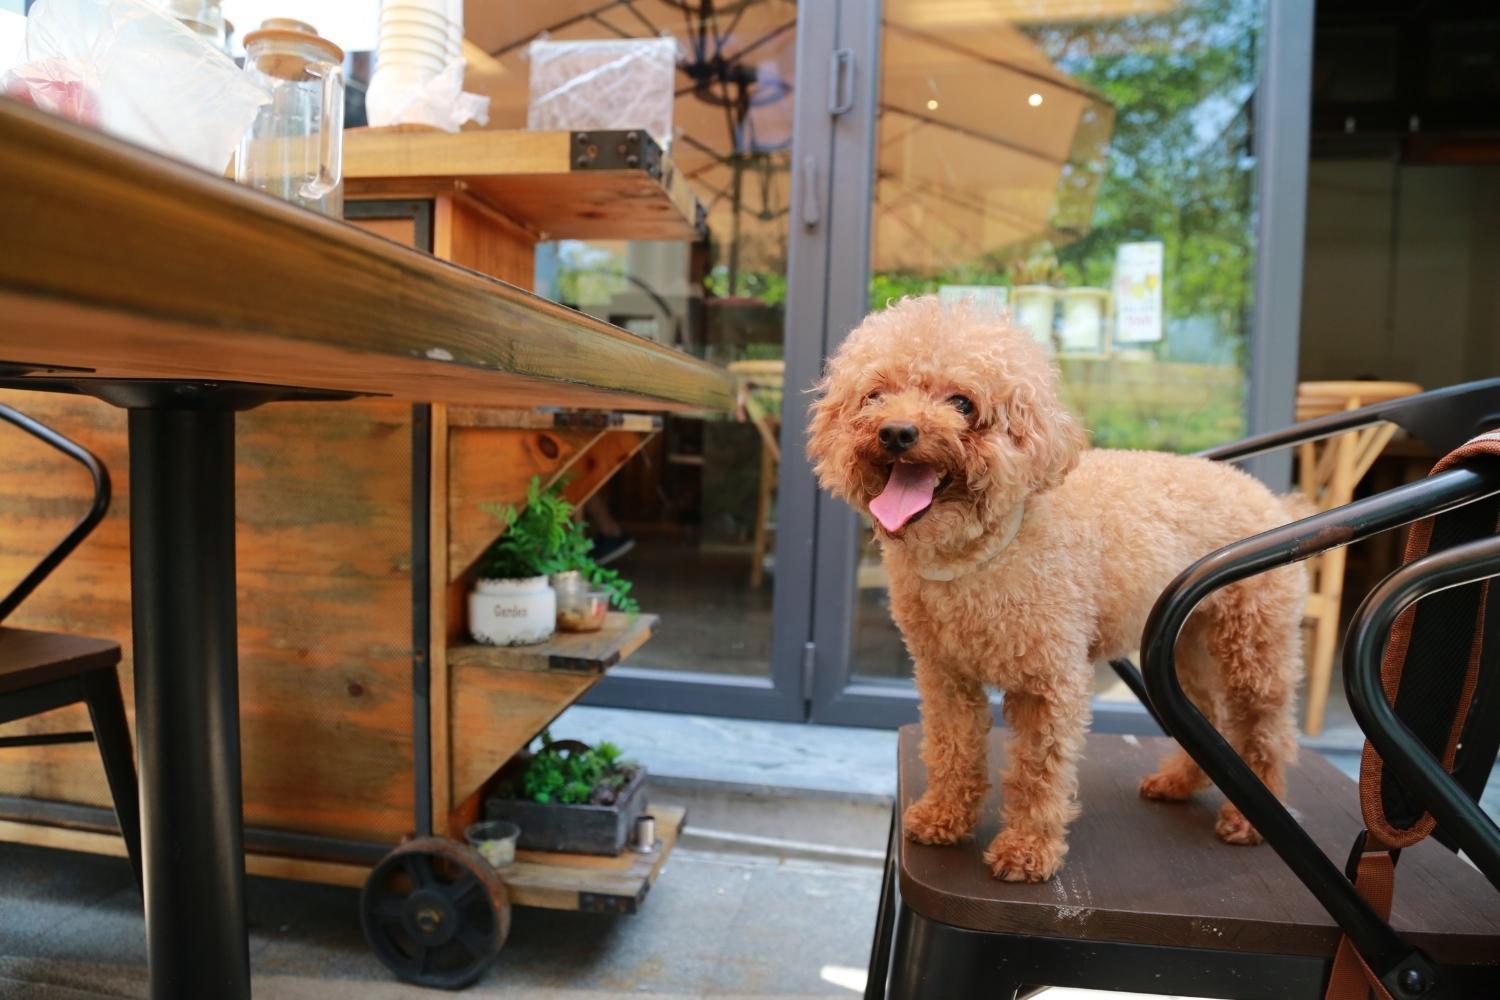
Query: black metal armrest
x,y
1387,954
85,525
1444,418
1420,773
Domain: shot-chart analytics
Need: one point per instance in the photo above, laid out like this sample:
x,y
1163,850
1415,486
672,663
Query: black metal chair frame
x,y
98,689
955,961
1444,419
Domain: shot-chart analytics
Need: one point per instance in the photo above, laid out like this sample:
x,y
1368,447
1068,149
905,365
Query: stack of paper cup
x,y
413,43
455,29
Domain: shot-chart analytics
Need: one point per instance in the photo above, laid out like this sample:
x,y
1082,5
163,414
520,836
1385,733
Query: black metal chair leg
x,y
112,734
885,920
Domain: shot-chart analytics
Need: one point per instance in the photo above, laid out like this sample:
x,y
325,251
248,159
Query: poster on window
x,y
1138,268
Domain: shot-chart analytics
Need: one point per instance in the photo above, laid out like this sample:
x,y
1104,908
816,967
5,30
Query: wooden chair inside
x,y
1150,901
758,390
1328,472
42,671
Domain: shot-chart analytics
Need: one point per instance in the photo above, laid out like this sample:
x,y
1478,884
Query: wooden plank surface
x,y
1154,873
472,416
531,178
559,881
587,652
136,266
324,570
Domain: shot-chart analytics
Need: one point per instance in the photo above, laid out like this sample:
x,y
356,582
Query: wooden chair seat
x,y
1153,873
29,658
44,671
1151,901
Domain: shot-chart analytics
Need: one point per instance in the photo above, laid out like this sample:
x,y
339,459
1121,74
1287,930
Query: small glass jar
x,y
294,148
495,840
580,608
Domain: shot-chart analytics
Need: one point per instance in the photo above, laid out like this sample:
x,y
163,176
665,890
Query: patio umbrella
x,y
983,143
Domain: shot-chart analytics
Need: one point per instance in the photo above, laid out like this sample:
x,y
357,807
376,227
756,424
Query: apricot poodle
x,y
1017,559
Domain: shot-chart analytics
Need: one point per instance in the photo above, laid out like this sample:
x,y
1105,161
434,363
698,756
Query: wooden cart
x,y
366,717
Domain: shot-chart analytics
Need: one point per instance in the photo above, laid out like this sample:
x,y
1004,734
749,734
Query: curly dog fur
x,y
1034,559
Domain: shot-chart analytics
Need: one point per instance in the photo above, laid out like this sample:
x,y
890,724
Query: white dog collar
x,y
953,571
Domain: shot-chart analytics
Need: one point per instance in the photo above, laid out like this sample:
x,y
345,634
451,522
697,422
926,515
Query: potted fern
x,y
512,602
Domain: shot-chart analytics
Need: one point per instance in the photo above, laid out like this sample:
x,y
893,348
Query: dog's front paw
x,y
1234,828
1168,786
1023,857
931,821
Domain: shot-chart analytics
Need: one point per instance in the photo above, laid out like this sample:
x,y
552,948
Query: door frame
x,y
1283,89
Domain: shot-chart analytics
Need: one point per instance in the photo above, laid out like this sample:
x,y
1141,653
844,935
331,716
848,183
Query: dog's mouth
x,y
910,489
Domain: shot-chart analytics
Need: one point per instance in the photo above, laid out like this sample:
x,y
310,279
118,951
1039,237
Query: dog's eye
x,y
873,396
963,404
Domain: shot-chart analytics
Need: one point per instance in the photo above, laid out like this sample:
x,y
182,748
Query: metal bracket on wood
x,y
617,150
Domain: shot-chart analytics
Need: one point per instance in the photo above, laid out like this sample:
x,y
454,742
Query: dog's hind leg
x,y
1256,638
955,723
1179,776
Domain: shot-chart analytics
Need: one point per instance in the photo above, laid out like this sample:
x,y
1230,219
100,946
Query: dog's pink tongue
x,y
907,493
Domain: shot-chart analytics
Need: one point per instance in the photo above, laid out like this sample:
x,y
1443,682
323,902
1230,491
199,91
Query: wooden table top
x,y
1154,873
130,265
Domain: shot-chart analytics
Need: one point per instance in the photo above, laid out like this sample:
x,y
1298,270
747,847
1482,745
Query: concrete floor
x,y
716,925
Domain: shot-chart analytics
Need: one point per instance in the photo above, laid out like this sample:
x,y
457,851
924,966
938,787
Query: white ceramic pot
x,y
512,612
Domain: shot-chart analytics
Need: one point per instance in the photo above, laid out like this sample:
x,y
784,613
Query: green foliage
x,y
545,538
575,777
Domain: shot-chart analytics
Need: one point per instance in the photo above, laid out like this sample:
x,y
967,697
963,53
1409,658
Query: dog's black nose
x,y
896,438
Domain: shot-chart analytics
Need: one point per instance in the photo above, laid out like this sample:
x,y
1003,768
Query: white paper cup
x,y
424,63
438,7
455,29
438,17
395,30
437,46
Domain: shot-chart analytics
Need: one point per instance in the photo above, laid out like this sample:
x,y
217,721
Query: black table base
x,y
182,581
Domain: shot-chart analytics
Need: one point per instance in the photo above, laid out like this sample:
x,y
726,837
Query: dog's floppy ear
x,y
1041,426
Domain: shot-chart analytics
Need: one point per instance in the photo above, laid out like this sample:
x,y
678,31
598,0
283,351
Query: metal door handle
x,y
812,212
841,77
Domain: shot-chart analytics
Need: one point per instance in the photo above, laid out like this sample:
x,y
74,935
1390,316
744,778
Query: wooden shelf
x,y
590,882
560,185
136,266
546,420
573,652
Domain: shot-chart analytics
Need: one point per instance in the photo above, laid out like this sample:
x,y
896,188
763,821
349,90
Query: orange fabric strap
x,y
1352,978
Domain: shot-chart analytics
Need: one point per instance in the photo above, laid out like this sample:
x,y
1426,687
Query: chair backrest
x,y
1464,497
1422,670
97,509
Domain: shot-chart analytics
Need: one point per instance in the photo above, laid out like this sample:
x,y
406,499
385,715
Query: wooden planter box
x,y
584,829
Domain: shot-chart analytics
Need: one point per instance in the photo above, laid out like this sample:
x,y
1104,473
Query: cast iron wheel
x,y
435,913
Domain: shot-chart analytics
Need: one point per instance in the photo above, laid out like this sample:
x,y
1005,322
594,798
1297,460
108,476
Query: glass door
x,y
711,526
1093,168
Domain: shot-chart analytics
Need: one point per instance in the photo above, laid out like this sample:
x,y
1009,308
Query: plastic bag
x,y
439,101
135,72
604,84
